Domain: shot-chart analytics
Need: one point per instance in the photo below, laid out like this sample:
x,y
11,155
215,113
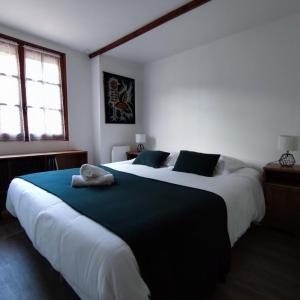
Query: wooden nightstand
x,y
132,154
282,193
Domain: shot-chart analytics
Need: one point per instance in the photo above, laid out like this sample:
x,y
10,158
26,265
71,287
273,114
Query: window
x,y
33,95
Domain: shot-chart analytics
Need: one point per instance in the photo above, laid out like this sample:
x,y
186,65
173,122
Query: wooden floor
x,y
265,266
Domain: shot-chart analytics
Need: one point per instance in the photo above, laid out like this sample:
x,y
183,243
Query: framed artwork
x,y
119,98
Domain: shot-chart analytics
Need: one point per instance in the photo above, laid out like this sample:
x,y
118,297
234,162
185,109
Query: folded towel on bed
x,y
88,171
80,181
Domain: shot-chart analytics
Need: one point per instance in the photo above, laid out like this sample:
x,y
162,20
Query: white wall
x,y
79,103
108,135
233,96
96,107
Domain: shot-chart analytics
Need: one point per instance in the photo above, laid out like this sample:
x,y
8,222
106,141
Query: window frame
x,y
63,73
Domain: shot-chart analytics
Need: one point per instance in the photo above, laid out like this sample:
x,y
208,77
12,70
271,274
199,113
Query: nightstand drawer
x,y
283,178
282,194
283,206
281,198
294,223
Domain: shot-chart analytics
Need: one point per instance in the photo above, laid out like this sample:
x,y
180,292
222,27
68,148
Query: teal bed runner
x,y
177,234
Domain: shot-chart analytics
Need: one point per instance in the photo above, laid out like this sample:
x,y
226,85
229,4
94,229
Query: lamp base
x,y
287,159
140,147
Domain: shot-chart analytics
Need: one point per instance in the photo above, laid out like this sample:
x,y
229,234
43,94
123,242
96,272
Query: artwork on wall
x,y
119,98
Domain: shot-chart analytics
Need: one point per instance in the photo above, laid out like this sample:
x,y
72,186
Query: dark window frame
x,y
63,72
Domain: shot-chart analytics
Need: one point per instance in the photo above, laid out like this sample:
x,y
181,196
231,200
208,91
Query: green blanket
x,y
177,234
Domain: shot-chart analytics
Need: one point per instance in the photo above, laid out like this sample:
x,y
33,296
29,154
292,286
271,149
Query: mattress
x,y
97,263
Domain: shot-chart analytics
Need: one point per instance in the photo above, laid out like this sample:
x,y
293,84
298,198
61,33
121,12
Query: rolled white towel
x,y
88,171
79,181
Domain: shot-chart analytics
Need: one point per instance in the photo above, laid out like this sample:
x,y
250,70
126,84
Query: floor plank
x,y
24,273
265,266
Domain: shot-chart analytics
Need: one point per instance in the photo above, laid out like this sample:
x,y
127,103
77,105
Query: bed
x,y
96,262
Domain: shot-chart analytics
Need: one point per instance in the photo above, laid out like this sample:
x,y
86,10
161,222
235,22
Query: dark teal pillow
x,y
151,158
197,163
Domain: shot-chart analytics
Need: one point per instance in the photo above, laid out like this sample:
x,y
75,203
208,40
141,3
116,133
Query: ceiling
x,y
84,25
91,24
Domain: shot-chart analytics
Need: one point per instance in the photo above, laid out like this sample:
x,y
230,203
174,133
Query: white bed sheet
x,y
96,262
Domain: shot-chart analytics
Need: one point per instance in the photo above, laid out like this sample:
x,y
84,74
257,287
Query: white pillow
x,y
171,159
227,164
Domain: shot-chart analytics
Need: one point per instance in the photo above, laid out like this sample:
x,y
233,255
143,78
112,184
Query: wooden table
x,y
20,164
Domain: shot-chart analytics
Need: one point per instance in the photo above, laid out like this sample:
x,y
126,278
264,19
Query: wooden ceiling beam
x,y
161,20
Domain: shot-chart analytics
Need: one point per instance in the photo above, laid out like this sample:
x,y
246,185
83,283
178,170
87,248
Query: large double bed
x,y
95,261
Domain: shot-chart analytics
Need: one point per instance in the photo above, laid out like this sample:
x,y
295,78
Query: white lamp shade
x,y
287,143
140,138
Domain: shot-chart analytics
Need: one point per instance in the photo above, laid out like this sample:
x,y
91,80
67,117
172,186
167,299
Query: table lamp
x,y
287,143
140,139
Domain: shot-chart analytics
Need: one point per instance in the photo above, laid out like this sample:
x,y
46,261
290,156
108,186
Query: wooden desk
x,y
282,193
21,164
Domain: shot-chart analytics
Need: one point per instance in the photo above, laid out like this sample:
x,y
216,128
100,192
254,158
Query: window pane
x,y
9,90
52,96
10,120
44,96
36,121
8,59
51,69
35,94
33,61
10,110
54,124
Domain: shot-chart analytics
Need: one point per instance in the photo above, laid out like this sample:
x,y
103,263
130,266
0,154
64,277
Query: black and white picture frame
x,y
119,98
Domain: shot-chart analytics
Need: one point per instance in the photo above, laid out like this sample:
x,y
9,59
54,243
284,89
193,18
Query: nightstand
x,y
282,194
132,154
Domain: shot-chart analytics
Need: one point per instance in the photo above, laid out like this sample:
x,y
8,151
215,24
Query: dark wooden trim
x,y
161,20
63,70
24,43
23,90
38,154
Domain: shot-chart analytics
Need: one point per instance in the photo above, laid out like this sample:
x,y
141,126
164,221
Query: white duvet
x,y
96,262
